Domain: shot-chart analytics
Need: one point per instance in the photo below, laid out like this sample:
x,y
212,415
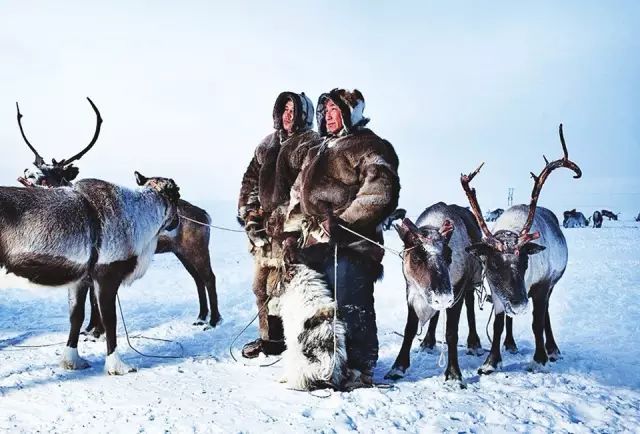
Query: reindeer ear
x,y
479,249
446,230
407,231
140,179
532,248
70,172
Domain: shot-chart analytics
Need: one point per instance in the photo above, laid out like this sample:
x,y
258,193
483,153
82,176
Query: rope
x,y
126,332
395,252
265,365
222,228
441,358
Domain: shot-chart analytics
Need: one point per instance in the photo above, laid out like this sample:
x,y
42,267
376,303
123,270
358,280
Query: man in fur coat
x,y
350,179
263,201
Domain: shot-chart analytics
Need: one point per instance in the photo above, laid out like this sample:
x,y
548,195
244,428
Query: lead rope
x,y
222,228
443,344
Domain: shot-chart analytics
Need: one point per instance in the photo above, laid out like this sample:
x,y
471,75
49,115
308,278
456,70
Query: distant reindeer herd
x,y
93,236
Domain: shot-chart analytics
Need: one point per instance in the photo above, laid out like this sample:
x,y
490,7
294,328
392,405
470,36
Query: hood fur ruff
x,y
307,316
351,105
303,111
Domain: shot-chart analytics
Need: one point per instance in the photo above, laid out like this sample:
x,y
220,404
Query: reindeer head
x,y
57,173
505,254
169,190
426,261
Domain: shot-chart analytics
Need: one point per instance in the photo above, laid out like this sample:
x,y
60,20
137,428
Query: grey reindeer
x,y
94,232
439,274
189,241
517,268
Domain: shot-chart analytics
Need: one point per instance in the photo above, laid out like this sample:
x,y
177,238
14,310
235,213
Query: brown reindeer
x,y
517,268
189,241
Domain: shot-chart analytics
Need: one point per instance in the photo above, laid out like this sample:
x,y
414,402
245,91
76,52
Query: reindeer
x,y
610,214
92,233
189,241
574,219
439,274
517,268
597,219
492,216
638,217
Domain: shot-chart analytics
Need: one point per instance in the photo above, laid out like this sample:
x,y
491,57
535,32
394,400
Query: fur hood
x,y
351,104
303,111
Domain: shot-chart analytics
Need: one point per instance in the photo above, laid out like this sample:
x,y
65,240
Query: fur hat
x,y
351,104
302,107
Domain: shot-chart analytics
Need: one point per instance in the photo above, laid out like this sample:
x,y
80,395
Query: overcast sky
x,y
186,89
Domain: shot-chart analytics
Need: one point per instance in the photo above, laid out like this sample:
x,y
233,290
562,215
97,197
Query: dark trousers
x,y
355,306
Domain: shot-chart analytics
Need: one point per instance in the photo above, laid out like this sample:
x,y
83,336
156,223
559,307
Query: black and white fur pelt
x,y
311,332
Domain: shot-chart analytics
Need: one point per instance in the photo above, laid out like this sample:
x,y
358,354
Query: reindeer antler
x,y
39,160
93,140
538,182
475,207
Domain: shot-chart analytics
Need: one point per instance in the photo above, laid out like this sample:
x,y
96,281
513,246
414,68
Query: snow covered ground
x,y
596,387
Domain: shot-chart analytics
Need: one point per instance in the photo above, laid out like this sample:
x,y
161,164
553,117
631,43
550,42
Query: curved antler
x,y
93,140
539,180
39,160
475,207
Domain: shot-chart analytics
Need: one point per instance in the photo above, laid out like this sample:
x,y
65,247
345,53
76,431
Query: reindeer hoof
x,y
511,347
475,351
115,366
72,361
555,355
395,374
536,367
213,323
200,321
488,368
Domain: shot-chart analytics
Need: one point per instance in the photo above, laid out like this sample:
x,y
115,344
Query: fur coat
x,y
352,175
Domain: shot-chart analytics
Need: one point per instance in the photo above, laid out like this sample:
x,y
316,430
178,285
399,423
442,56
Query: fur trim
x,y
303,111
351,104
307,311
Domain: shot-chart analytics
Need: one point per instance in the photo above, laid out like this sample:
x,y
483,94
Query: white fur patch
x,y
133,226
115,366
71,359
305,296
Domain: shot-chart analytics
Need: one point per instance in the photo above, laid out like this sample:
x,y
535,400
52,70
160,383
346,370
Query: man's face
x,y
333,117
287,117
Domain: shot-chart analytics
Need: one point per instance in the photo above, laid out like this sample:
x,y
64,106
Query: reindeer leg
x,y
202,295
539,313
70,357
550,345
402,361
509,342
94,328
203,267
429,340
106,291
473,340
453,319
494,359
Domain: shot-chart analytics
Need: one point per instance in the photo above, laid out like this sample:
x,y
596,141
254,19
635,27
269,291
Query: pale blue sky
x,y
186,89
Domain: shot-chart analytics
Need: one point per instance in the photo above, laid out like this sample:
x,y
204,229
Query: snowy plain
x,y
594,388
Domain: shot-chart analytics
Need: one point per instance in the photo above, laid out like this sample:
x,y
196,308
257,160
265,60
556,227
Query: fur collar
x,y
351,104
303,111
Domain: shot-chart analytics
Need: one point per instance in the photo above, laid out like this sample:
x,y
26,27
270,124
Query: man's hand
x,y
330,226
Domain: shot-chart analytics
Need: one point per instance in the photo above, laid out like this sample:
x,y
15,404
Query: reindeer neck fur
x,y
548,265
131,222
